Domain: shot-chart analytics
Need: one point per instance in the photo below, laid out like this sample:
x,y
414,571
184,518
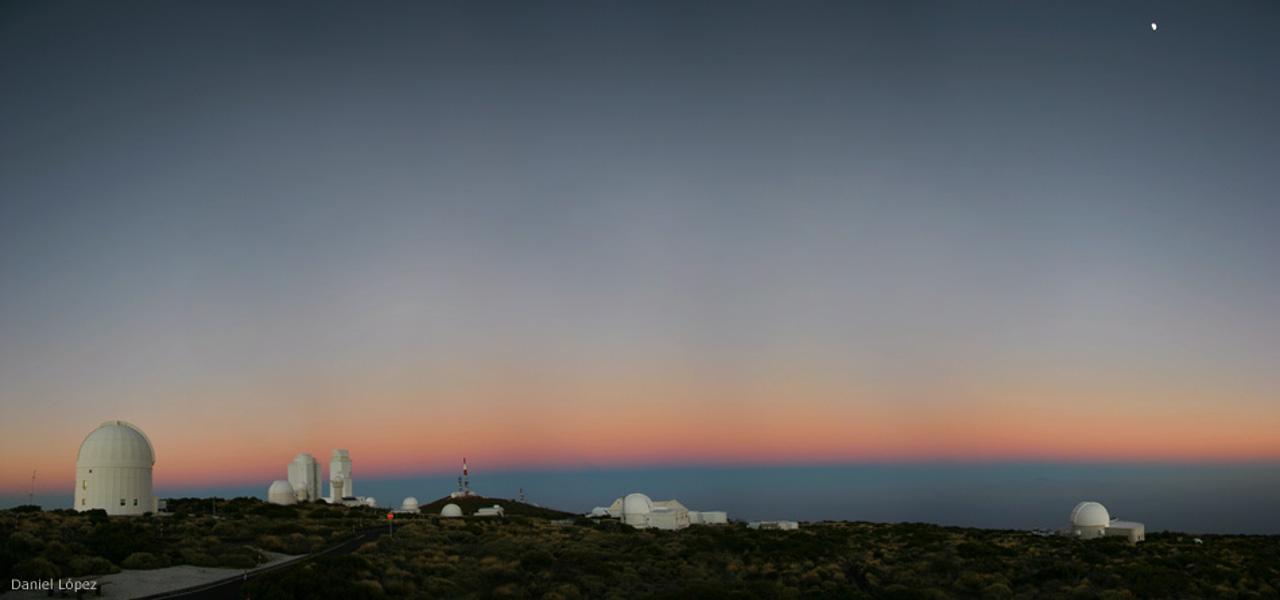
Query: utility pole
x,y
31,496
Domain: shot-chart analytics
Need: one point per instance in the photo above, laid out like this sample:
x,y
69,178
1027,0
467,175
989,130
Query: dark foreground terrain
x,y
527,556
534,558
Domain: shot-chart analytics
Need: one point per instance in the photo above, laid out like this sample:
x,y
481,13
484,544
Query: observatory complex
x,y
1091,520
641,512
113,470
303,484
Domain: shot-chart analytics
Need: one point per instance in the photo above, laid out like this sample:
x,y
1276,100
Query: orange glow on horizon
x,y
669,421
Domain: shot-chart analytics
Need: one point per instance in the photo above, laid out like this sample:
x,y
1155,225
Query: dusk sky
x,y
600,234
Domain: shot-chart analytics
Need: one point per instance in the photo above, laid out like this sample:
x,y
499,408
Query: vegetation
x,y
524,556
234,533
535,558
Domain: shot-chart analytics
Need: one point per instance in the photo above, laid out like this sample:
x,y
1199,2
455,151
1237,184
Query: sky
x,y
586,235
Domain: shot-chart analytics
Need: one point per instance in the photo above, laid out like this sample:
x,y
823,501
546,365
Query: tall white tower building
x,y
113,470
304,477
340,484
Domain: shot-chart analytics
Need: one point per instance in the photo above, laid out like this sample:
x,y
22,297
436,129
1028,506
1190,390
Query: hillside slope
x,y
470,504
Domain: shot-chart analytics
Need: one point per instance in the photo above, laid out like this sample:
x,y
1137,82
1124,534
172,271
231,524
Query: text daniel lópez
x,y
57,585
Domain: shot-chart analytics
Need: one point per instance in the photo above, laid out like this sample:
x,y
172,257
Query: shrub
x,y
116,540
144,560
36,568
537,559
91,565
997,591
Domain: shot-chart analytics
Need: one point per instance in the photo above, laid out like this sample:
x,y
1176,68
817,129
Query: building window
x,y
82,502
122,502
135,501
84,484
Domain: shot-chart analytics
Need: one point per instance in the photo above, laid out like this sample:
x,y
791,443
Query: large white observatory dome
x,y
636,504
635,509
451,510
113,470
1090,514
281,492
116,444
409,504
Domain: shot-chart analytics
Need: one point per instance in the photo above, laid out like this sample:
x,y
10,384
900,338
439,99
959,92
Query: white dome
x,y
371,501
637,504
116,444
451,510
113,470
1090,514
281,492
409,503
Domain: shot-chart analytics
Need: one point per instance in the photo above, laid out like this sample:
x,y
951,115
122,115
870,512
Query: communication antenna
x,y
31,496
466,478
522,495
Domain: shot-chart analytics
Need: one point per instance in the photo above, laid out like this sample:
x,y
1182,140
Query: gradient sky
x,y
602,233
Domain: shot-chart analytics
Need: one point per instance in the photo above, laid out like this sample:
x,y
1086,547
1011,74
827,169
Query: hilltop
x,y
512,508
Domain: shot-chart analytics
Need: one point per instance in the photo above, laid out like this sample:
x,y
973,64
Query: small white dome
x,y
116,444
451,510
637,504
409,503
1090,514
371,501
281,492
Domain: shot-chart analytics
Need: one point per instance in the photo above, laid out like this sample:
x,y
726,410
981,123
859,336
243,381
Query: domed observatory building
x,y
113,470
409,505
281,492
451,511
1091,520
639,511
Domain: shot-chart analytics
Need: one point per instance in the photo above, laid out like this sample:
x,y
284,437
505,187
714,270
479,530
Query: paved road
x,y
233,589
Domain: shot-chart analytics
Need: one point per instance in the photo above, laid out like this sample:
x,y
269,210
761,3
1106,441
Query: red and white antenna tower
x,y
466,478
